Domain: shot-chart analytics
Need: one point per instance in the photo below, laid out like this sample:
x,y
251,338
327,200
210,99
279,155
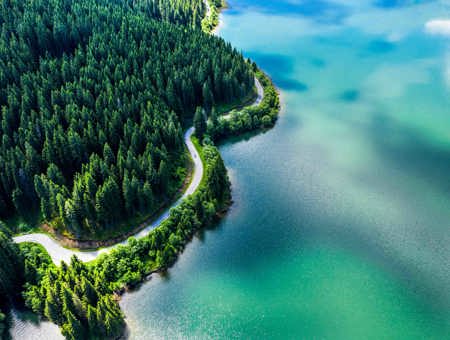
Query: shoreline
x,y
221,23
87,245
63,252
75,245
60,252
261,105
210,24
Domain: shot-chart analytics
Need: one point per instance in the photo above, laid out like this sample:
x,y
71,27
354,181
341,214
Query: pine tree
x,y
91,316
11,268
53,309
163,174
108,155
199,123
89,292
208,98
108,202
72,329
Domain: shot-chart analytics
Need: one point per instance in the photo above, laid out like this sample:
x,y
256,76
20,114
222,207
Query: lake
x,y
340,227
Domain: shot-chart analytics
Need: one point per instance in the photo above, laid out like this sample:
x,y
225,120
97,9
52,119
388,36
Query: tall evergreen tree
x,y
199,123
11,269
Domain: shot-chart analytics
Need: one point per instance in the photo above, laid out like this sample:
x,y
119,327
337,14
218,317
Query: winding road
x,y
259,92
58,253
208,8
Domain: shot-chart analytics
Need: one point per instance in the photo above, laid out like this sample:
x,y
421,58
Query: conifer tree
x,y
199,123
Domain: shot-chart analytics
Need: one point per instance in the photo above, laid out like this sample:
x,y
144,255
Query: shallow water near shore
x,y
340,227
341,221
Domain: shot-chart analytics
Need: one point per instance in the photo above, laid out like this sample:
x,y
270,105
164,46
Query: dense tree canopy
x,y
11,275
248,119
11,269
79,297
71,297
93,97
184,12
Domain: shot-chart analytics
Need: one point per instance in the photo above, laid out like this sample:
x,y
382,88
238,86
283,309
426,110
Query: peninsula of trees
x,y
94,98
79,297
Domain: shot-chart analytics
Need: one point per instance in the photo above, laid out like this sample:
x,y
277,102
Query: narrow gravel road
x,y
58,253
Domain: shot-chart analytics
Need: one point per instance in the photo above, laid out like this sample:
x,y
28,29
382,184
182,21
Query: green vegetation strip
x,y
250,118
211,19
79,297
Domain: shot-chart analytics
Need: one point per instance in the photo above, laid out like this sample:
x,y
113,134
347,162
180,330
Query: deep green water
x,y
340,227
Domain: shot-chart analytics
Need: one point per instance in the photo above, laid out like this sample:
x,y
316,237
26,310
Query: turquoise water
x,y
341,223
340,227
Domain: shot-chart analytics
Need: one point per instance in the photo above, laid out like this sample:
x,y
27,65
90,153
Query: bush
x,y
79,297
248,119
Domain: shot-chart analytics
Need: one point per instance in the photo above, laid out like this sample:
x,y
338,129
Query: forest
x,y
94,96
82,298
